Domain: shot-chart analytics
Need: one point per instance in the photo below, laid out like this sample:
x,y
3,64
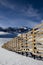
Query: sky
x,y
18,13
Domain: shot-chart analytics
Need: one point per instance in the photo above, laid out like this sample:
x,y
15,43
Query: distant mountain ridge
x,y
17,30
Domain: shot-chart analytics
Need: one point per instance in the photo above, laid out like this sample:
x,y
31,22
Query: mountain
x,y
12,32
17,30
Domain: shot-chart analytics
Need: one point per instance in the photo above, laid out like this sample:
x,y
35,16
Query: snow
x,y
19,34
4,40
3,32
12,58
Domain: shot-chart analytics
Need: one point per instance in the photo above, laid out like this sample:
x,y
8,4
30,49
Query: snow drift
x,y
12,58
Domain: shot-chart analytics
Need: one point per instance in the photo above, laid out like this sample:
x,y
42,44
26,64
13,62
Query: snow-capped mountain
x,y
17,30
12,32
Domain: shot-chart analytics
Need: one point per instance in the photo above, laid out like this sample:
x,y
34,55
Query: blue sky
x,y
17,13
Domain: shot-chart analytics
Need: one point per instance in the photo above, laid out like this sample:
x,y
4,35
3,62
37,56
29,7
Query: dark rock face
x,y
17,30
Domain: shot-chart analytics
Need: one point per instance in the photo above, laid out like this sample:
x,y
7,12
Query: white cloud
x,y
2,17
7,22
7,4
22,22
31,12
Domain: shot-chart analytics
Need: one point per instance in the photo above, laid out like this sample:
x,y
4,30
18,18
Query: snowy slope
x,y
12,58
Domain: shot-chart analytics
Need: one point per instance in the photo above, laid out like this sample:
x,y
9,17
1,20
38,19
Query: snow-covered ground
x,y
12,58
